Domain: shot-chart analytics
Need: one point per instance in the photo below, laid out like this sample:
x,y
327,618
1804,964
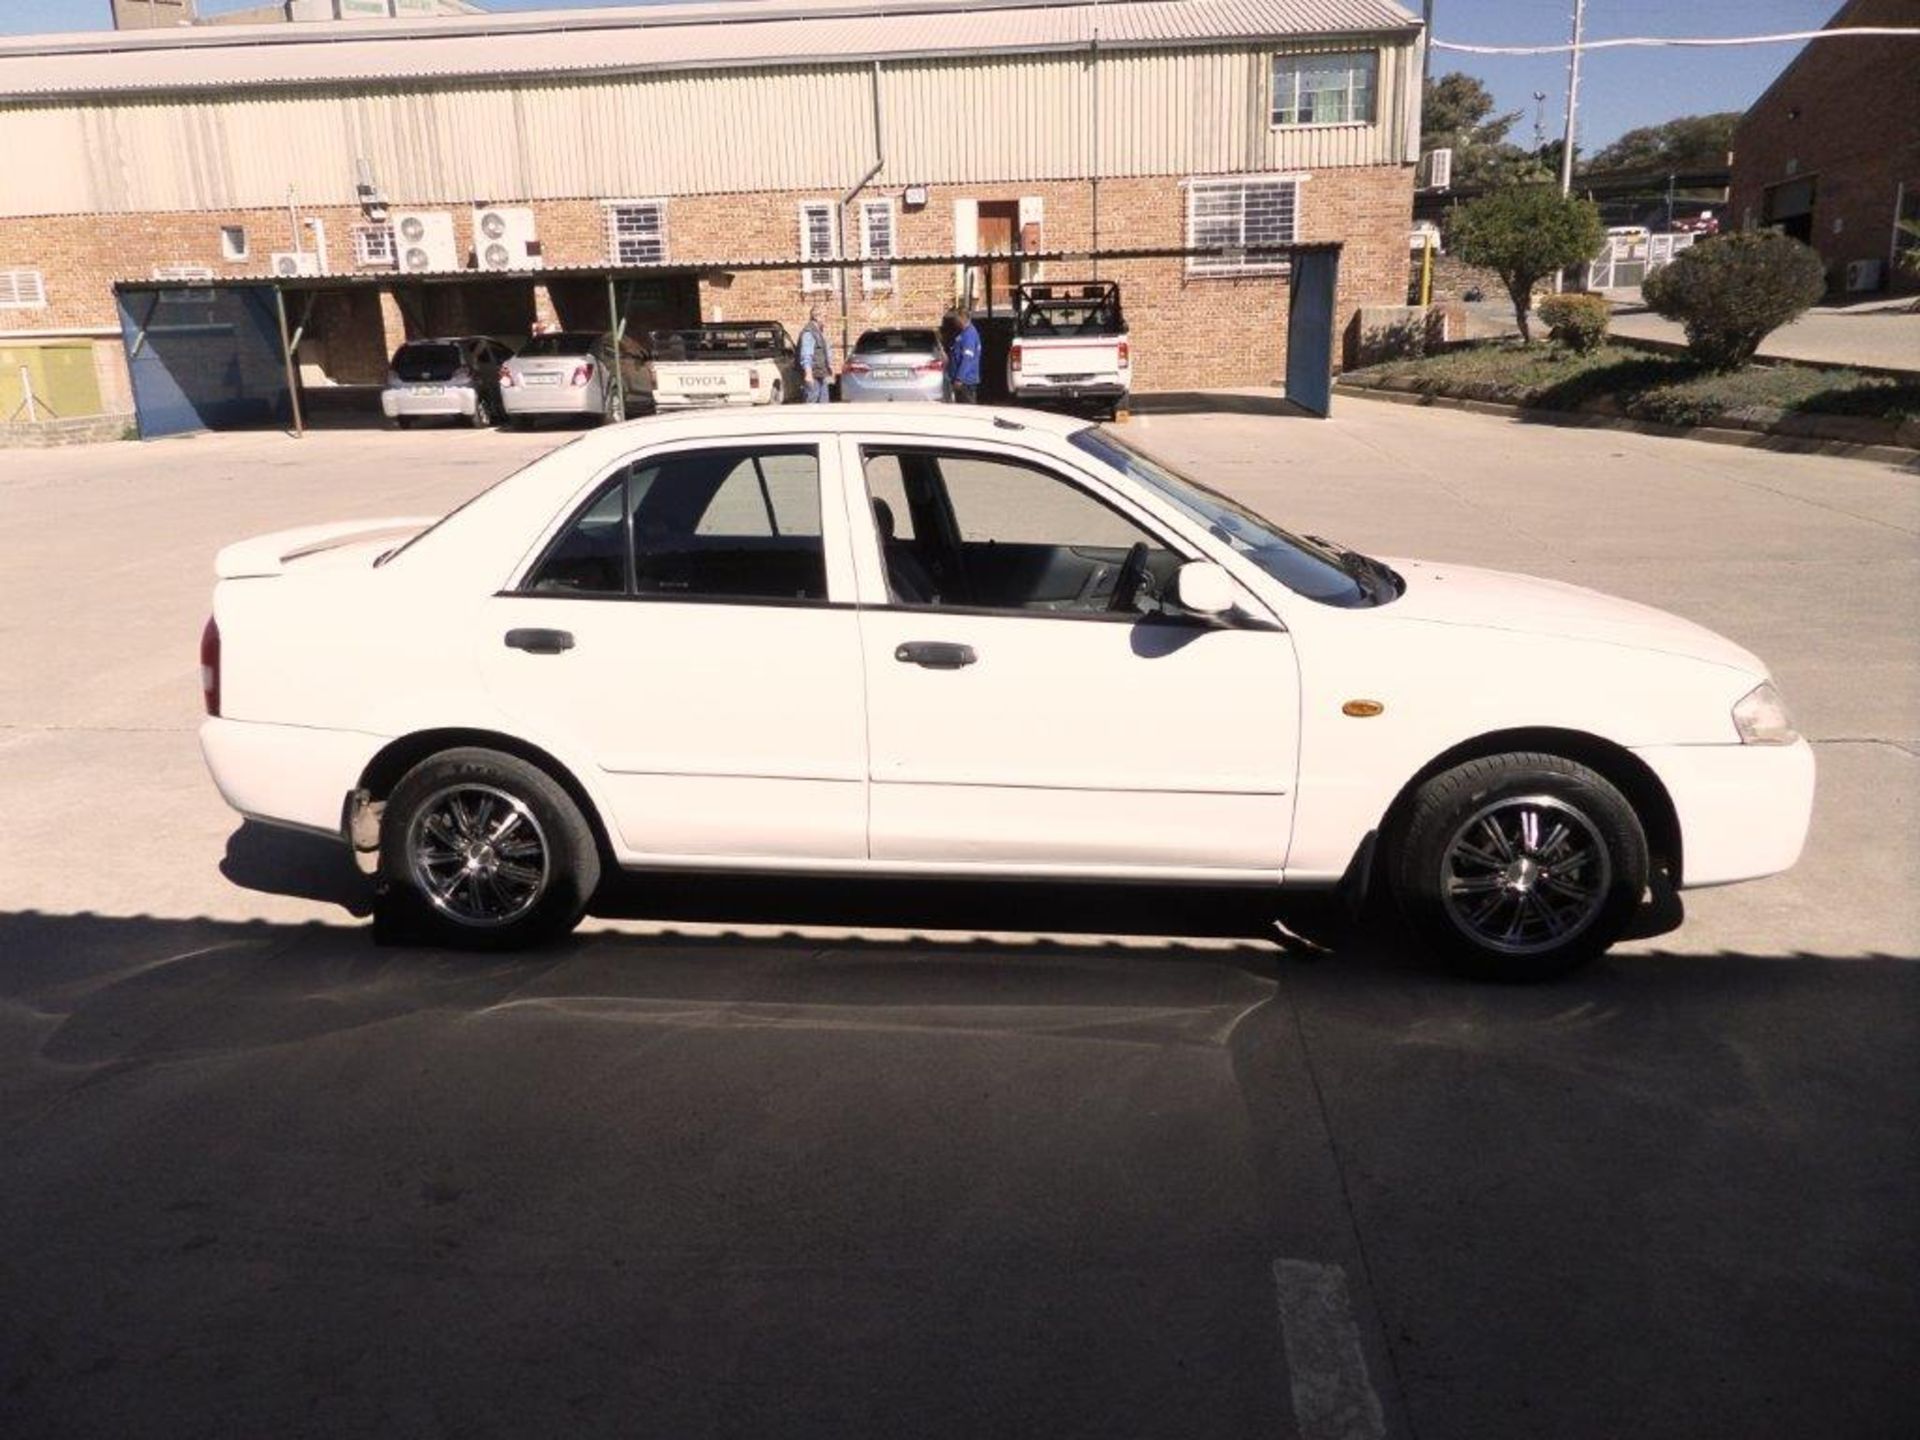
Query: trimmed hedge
x,y
1578,322
1733,291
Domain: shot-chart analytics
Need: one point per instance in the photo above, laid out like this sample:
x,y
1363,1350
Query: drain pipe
x,y
840,209
1093,77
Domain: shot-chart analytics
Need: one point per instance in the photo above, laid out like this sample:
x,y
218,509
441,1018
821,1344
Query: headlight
x,y
1761,717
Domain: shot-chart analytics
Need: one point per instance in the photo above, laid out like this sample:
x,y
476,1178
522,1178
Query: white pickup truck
x,y
742,363
1070,347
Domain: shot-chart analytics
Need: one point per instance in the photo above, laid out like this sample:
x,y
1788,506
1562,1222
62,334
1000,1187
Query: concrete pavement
x,y
755,1159
1880,332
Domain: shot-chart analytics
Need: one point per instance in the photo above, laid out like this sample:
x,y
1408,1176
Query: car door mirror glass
x,y
1203,588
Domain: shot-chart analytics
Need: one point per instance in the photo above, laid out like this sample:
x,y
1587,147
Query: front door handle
x,y
934,654
540,642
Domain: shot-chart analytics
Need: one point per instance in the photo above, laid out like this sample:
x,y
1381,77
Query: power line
x,y
1693,41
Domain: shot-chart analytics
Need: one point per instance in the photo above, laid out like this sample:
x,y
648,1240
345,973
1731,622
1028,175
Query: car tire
x,y
530,866
401,422
616,410
482,415
777,394
1518,867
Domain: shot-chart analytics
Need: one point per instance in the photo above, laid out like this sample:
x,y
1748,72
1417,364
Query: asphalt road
x,y
751,1159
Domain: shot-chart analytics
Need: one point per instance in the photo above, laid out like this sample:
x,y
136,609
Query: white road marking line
x,y
1332,1397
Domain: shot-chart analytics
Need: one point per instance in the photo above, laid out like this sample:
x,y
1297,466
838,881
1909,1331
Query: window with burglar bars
x,y
22,290
1239,216
817,243
373,247
637,232
1325,89
876,243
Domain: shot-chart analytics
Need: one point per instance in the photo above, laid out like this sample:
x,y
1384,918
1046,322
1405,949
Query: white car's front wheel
x,y
1520,866
483,851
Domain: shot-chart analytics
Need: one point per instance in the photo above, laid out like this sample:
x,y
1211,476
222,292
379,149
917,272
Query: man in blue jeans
x,y
816,359
963,359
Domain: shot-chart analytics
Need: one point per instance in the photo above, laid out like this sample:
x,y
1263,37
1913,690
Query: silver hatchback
x,y
895,365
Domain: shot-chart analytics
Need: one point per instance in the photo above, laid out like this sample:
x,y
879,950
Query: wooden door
x,y
999,224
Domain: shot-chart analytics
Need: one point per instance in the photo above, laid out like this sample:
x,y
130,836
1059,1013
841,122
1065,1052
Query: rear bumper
x,y
919,392
1743,809
710,402
552,400
1038,389
287,774
453,400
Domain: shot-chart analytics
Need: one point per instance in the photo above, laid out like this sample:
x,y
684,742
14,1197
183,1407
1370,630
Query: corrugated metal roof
x,y
654,38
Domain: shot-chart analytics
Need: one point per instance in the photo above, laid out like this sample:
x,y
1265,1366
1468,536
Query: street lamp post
x,y
1573,97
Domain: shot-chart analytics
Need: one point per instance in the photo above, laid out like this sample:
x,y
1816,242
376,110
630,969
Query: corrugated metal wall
x,y
1201,111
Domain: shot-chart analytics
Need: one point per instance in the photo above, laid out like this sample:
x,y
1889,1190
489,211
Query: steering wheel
x,y
1126,585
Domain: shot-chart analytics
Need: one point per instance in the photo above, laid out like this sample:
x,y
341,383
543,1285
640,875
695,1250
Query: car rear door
x,y
689,633
1015,719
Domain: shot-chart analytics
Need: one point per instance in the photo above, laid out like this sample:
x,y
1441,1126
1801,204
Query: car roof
x,y
930,420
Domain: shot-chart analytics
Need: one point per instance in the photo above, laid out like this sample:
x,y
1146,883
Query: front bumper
x,y
287,774
1743,809
397,401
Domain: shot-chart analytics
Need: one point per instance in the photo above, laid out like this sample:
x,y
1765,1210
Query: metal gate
x,y
204,357
1627,260
1310,304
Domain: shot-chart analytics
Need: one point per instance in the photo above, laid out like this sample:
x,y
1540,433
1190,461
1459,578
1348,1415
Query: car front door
x,y
1023,711
689,634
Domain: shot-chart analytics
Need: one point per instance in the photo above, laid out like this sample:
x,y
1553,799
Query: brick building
x,y
1831,152
698,141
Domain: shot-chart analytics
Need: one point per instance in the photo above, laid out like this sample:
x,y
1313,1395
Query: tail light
x,y
582,373
753,379
933,366
1126,353
858,367
507,378
1013,358
210,666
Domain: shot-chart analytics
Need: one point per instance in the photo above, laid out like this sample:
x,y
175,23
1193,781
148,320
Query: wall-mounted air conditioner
x,y
295,262
1436,169
424,240
1863,275
504,238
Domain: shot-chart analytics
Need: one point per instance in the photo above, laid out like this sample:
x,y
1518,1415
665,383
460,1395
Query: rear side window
x,y
735,523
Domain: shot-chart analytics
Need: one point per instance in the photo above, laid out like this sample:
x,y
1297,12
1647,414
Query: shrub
x,y
1525,233
1733,291
1578,322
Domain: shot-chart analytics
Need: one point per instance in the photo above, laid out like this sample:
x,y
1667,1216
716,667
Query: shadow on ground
x,y
275,1179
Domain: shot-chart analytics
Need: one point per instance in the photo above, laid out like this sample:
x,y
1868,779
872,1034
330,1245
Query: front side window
x,y
1242,220
960,530
1325,89
637,232
732,523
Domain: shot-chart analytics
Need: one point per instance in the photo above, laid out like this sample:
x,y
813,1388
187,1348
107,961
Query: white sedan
x,y
928,640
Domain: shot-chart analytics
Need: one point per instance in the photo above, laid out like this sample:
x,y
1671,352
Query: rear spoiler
x,y
269,554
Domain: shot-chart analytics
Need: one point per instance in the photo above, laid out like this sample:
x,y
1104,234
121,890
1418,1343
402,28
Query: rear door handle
x,y
934,654
540,642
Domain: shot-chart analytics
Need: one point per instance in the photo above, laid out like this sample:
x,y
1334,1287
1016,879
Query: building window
x,y
373,247
1241,216
1325,89
876,243
637,232
233,242
22,290
818,242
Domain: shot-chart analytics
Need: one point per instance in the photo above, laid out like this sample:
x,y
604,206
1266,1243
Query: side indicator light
x,y
1362,709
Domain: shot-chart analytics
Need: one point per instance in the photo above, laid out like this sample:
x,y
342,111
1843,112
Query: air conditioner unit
x,y
1437,169
423,240
504,238
295,262
1863,275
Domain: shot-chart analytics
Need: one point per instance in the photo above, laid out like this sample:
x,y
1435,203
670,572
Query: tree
x,y
1692,142
1525,233
1733,291
1457,114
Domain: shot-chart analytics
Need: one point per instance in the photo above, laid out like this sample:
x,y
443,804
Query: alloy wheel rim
x,y
1525,875
479,855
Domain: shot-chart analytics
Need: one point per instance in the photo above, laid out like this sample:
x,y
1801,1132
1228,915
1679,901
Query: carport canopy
x,y
220,354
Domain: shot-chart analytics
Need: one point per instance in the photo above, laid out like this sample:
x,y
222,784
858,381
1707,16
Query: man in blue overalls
x,y
963,360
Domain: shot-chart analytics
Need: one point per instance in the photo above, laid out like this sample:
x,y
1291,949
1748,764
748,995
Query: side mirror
x,y
1203,588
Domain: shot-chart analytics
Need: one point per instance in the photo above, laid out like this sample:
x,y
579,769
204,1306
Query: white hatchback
x,y
929,640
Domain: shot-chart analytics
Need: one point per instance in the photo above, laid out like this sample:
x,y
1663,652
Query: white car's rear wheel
x,y
1519,867
483,851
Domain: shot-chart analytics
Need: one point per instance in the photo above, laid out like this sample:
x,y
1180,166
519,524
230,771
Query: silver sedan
x,y
895,365
569,372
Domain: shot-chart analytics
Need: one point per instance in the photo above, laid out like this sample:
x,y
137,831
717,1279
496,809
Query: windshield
x,y
566,342
1310,567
